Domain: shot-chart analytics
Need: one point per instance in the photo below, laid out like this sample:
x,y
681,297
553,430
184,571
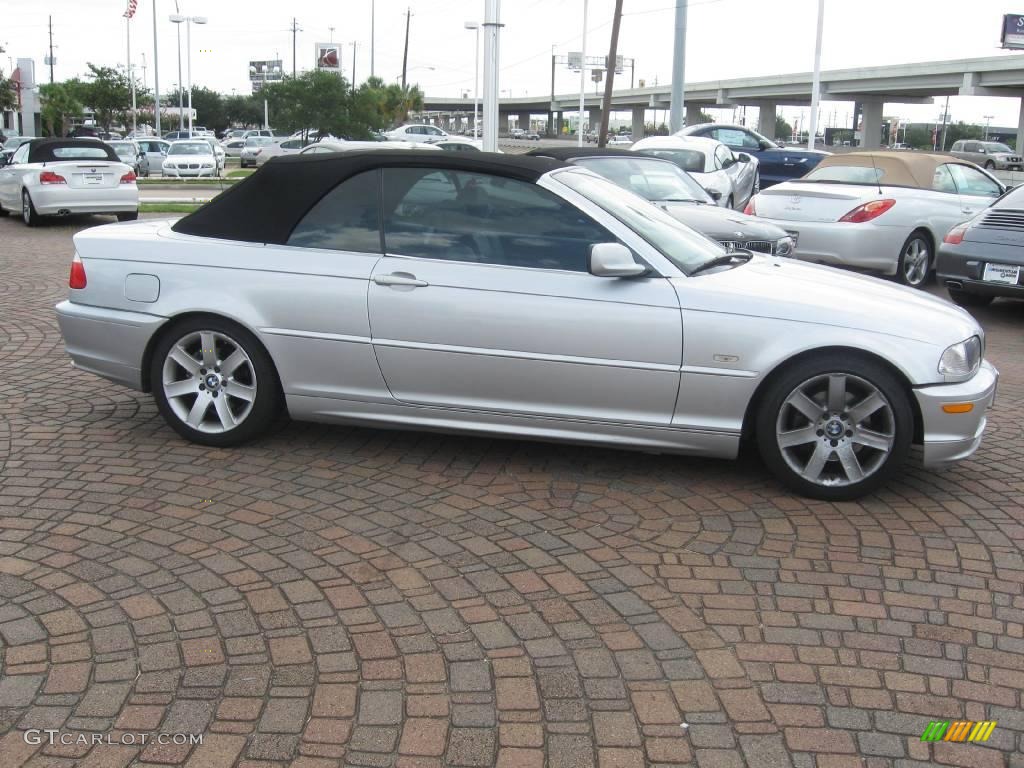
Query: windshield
x,y
656,180
673,239
192,148
257,141
687,159
996,146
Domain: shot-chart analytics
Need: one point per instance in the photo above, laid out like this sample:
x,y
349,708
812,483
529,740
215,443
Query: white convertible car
x,y
731,179
879,211
59,177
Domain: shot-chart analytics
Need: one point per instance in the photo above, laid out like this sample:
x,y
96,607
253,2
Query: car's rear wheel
x,y
213,382
915,262
835,427
965,299
28,210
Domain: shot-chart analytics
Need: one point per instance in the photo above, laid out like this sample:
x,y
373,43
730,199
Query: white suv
x,y
422,134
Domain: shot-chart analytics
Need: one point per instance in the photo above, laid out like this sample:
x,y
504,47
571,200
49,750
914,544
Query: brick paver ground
x,y
332,596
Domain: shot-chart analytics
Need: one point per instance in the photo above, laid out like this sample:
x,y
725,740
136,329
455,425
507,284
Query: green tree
x,y
783,130
209,107
109,94
243,110
960,130
918,137
59,102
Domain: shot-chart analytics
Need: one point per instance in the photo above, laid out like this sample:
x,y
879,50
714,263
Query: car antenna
x,y
875,169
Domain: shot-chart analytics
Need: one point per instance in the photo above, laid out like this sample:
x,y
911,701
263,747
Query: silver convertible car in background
x,y
517,296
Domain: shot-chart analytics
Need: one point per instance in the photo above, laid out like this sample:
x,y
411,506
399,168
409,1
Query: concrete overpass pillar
x,y
503,123
766,119
638,123
523,120
692,114
557,128
594,118
871,134
1020,128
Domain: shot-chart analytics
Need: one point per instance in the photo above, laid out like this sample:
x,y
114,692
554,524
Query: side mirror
x,y
715,195
743,157
728,163
780,144
614,260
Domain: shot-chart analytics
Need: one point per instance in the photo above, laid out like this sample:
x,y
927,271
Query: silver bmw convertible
x,y
518,297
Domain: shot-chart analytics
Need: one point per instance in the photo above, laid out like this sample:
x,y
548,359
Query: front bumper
x,y
108,342
838,244
188,172
59,198
950,437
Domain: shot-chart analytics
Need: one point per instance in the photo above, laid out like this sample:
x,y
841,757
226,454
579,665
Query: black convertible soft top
x,y
266,207
43,150
570,153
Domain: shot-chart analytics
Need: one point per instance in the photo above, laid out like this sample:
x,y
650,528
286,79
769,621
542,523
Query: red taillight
x,y
750,210
955,236
868,211
49,177
77,278
128,178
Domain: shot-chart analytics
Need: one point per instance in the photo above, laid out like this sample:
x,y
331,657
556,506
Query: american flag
x,y
132,5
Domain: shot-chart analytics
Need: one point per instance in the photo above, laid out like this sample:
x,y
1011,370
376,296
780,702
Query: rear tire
x,y
28,211
915,262
835,426
215,374
965,299
128,216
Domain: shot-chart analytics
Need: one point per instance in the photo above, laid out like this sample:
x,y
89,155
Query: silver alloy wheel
x,y
835,429
916,259
209,381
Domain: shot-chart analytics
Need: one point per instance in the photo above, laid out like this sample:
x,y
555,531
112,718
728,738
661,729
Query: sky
x,y
725,39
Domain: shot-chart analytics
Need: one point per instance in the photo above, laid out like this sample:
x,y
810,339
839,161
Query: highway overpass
x,y
870,87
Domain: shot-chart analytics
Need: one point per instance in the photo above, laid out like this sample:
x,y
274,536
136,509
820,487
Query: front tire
x,y
989,165
213,382
28,211
835,427
915,262
965,299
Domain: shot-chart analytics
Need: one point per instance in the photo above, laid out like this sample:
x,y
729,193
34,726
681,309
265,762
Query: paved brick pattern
x,y
336,596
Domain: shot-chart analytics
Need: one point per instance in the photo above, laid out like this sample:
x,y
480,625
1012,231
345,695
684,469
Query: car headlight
x,y
961,359
784,246
207,165
169,164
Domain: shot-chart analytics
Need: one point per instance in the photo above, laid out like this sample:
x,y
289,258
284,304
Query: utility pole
x,y
373,19
405,53
492,39
551,107
583,76
355,43
613,48
816,81
156,78
676,113
51,50
295,31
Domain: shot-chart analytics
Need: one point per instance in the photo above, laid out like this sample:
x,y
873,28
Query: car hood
x,y
721,223
810,293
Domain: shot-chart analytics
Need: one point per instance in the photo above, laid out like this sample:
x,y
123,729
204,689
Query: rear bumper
x,y
951,437
60,198
108,342
962,268
860,246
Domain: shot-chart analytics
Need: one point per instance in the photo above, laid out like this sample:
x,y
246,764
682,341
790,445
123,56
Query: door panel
x,y
535,341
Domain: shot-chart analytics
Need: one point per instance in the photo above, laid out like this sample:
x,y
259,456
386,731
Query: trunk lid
x,y
90,175
811,201
1004,226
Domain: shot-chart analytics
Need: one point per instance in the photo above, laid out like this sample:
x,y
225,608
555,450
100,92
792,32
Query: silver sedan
x,y
514,296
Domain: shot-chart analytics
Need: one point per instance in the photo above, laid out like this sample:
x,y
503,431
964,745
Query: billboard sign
x,y
575,60
263,72
328,57
1013,30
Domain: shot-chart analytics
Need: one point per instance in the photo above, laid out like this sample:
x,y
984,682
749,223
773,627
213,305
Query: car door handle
x,y
400,278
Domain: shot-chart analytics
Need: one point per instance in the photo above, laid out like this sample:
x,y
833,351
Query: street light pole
x,y
816,81
476,75
156,77
583,76
492,25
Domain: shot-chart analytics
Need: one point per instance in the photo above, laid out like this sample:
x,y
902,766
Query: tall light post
x,y
475,26
181,80
583,76
189,21
816,79
156,77
988,120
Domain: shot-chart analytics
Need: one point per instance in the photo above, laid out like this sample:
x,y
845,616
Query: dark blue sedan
x,y
777,163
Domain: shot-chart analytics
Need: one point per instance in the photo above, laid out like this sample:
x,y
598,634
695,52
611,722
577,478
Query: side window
x,y
21,155
475,217
970,181
291,144
942,180
958,146
346,219
434,131
972,146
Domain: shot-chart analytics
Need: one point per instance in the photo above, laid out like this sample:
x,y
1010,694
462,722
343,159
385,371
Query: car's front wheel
x,y
915,261
835,427
989,165
213,382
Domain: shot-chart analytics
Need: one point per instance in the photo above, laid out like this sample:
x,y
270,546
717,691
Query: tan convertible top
x,y
905,169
